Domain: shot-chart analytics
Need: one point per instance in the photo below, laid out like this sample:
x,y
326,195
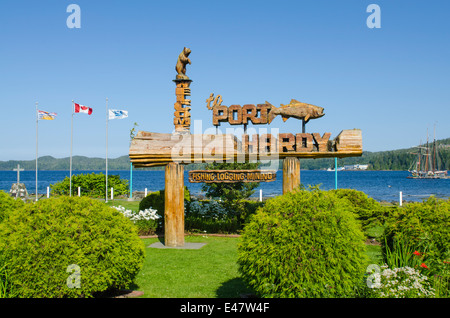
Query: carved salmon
x,y
297,110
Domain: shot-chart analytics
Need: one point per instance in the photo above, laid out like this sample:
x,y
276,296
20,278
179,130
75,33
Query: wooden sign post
x,y
174,205
150,149
291,174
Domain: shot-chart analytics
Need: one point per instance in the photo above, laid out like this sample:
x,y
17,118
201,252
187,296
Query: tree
x,y
231,194
92,185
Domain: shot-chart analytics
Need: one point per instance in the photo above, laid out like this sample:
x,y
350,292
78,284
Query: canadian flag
x,y
82,109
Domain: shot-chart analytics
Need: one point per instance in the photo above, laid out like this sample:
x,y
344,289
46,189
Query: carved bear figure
x,y
181,63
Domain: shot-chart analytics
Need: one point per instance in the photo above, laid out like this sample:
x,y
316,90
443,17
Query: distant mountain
x,y
400,159
78,163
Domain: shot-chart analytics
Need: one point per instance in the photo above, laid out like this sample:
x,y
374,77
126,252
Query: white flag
x,y
117,114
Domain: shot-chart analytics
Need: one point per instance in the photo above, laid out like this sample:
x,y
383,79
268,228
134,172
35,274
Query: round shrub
x,y
8,205
303,244
69,247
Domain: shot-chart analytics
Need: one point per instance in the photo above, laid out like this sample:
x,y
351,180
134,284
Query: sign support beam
x,y
174,205
291,174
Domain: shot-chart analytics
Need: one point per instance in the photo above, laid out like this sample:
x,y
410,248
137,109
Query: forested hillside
x,y
78,163
400,159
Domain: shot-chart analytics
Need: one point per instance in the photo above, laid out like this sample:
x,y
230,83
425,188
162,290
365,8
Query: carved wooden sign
x,y
173,150
261,113
182,116
150,149
211,176
158,149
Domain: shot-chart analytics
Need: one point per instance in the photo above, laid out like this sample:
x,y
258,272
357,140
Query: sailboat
x,y
425,164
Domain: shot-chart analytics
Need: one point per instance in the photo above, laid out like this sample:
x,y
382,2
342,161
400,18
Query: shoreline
x,y
162,169
379,185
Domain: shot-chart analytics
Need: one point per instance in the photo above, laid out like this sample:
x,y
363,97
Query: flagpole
x,y
37,123
106,183
131,180
71,146
335,173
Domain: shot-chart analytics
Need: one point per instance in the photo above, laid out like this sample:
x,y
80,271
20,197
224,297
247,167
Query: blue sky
x,y
391,82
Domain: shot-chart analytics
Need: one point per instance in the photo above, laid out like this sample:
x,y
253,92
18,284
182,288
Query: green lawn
x,y
209,272
129,205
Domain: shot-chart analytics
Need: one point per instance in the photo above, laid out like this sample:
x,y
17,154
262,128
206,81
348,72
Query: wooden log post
x,y
174,205
291,174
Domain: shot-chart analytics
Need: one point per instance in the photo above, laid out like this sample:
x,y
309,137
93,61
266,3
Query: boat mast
x,y
419,163
426,159
434,150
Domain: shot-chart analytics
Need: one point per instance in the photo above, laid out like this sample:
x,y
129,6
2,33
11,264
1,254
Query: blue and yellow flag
x,y
46,115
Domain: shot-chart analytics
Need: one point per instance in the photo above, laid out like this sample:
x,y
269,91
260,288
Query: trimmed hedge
x,y
303,244
211,216
43,241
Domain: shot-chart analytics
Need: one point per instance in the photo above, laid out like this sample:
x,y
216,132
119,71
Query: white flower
x,y
147,214
398,281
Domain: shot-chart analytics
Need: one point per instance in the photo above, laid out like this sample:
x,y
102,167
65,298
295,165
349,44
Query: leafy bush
x,y
154,200
401,255
425,228
368,210
92,185
47,244
4,288
303,244
8,205
250,208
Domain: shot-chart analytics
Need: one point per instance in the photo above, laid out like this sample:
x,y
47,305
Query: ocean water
x,y
380,185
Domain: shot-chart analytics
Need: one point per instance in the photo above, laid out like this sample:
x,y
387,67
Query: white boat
x,y
338,169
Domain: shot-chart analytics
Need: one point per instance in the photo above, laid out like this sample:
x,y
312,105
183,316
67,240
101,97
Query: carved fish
x,y
297,110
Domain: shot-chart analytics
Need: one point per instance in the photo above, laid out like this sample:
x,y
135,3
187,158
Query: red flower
x,y
416,253
424,266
